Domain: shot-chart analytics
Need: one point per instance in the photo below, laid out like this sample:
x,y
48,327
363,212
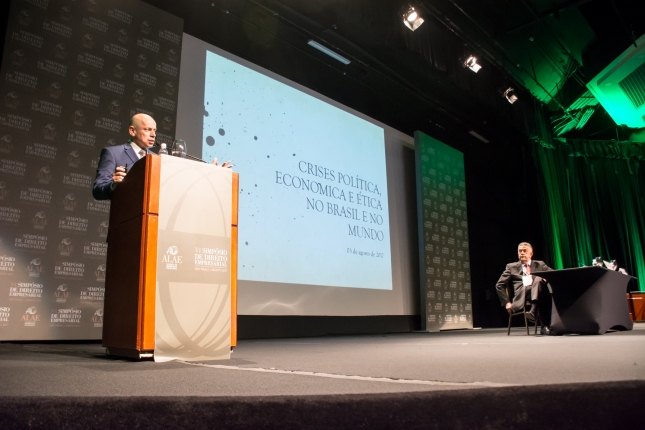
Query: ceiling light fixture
x,y
328,51
478,136
510,95
411,19
471,63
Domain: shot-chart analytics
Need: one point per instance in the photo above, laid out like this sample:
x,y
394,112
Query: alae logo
x,y
39,220
61,294
69,202
66,247
35,268
100,273
172,259
30,317
97,318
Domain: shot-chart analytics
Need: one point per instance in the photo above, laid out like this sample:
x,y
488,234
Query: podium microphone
x,y
195,158
186,155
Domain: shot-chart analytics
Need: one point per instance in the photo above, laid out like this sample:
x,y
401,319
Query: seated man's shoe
x,y
530,315
545,331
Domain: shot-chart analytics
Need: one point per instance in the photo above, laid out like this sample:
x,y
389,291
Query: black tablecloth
x,y
588,300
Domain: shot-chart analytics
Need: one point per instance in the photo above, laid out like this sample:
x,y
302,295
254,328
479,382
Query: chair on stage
x,y
523,312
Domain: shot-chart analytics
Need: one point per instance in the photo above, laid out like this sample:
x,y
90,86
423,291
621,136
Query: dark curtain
x,y
594,195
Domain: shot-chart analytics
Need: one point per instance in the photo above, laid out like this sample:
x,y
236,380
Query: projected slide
x,y
313,198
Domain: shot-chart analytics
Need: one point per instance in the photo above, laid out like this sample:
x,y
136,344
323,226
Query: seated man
x,y
518,275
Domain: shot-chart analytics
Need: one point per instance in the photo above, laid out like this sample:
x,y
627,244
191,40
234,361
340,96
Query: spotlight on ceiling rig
x,y
510,95
411,19
471,63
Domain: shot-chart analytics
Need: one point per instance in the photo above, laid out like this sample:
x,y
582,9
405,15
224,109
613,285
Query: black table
x,y
588,300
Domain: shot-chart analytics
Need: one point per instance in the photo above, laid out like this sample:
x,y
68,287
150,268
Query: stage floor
x,y
392,363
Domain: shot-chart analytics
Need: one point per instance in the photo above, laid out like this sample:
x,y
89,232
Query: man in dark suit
x,y
115,161
518,275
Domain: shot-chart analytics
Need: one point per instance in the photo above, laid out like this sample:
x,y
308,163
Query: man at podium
x,y
524,285
115,161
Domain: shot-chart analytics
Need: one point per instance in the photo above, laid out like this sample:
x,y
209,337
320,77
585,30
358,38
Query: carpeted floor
x,y
464,379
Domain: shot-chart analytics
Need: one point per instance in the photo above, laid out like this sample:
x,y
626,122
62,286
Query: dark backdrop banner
x,y
593,202
73,72
446,301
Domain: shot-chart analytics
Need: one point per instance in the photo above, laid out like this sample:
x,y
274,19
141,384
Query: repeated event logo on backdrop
x,y
74,73
444,229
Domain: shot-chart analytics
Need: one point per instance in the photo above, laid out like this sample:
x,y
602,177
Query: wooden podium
x,y
171,276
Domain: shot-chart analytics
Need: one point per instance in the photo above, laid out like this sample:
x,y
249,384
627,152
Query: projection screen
x,y
324,221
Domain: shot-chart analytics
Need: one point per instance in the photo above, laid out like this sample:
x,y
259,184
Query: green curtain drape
x,y
594,195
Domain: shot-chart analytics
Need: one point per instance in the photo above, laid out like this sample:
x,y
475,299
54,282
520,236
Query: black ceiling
x,y
414,80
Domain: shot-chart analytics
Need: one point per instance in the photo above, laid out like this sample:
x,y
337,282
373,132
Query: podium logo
x,y
31,317
66,247
40,220
172,259
35,268
97,318
61,294
100,273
